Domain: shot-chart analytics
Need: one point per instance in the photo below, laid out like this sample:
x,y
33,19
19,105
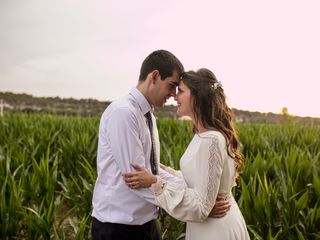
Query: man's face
x,y
164,89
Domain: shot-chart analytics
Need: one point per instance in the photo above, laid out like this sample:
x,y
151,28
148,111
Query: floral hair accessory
x,y
216,85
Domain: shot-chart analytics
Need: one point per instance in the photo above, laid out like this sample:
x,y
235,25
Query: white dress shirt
x,y
124,138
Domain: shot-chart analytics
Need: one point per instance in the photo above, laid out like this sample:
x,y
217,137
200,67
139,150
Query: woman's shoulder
x,y
212,136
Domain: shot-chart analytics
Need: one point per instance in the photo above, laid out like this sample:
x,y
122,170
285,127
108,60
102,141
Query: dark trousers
x,y
116,231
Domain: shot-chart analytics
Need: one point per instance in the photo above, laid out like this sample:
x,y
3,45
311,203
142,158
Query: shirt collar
x,y
141,100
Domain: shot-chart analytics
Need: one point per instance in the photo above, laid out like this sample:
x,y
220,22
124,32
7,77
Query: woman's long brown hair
x,y
211,109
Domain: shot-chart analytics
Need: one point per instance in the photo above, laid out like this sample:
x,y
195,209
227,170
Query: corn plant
x,y
48,168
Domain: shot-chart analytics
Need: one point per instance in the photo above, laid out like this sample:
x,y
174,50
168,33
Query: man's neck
x,y
143,88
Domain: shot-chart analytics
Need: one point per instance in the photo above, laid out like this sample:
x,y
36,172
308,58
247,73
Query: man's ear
x,y
155,75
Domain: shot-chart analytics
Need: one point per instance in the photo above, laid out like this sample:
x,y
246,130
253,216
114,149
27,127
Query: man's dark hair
x,y
163,61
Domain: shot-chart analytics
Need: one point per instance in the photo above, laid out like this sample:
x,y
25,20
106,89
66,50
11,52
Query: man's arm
x,y
220,209
123,136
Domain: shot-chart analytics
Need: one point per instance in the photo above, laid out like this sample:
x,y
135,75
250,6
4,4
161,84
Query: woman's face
x,y
184,101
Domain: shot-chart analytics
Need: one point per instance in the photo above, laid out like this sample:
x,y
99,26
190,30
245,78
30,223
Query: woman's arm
x,y
195,204
184,203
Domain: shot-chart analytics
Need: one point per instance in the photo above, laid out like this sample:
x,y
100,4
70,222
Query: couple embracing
x,y
132,183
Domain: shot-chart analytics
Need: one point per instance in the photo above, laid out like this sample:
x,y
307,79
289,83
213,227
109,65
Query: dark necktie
x,y
153,162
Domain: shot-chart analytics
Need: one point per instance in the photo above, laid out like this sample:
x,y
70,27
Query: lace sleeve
x,y
195,204
210,172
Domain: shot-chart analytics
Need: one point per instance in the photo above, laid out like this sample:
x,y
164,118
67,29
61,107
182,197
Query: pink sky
x,y
265,53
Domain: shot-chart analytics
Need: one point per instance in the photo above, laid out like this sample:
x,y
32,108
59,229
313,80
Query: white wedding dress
x,y
207,170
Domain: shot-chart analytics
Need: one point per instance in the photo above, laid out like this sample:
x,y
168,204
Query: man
x,y
126,138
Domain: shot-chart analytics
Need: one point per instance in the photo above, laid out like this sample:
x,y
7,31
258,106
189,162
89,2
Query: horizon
x,y
168,103
266,54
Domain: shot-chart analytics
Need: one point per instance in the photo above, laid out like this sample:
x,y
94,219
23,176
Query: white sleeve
x,y
174,178
195,204
174,172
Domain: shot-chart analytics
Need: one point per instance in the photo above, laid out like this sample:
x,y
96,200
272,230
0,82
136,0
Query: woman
x,y
210,164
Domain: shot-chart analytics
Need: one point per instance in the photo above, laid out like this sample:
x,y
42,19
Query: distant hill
x,y
13,102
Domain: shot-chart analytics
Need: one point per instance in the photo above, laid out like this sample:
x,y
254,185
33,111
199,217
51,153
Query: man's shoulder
x,y
124,106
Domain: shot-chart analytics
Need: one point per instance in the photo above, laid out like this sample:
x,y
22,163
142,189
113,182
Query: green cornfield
x,y
48,169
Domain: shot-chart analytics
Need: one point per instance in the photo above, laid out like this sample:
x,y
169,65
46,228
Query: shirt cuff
x,y
158,187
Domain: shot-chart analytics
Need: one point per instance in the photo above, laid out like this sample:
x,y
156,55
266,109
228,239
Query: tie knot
x,y
148,115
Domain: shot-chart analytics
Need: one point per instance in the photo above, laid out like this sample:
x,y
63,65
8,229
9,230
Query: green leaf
x,y
303,201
